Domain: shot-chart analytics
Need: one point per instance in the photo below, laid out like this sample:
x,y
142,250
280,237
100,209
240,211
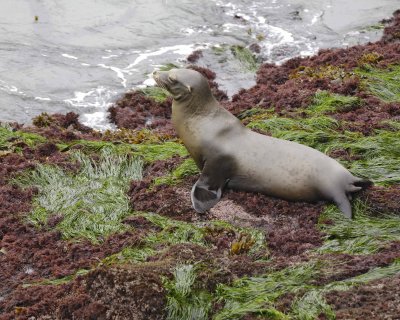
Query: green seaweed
x,y
326,102
374,27
59,281
149,152
130,255
10,139
153,152
156,93
250,113
380,170
173,231
380,154
168,66
257,295
186,169
184,302
219,49
310,305
383,83
92,203
364,234
245,57
317,132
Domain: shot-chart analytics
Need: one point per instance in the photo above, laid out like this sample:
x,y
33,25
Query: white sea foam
x,y
95,98
311,50
66,55
315,19
110,56
228,27
149,82
42,99
118,71
188,30
182,49
97,120
281,35
4,86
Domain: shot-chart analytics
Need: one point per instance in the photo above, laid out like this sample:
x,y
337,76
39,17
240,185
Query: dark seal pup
x,y
231,155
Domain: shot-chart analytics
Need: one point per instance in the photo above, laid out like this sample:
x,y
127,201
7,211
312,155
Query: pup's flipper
x,y
207,190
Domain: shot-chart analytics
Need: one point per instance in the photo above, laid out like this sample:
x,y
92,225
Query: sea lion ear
x,y
189,89
172,77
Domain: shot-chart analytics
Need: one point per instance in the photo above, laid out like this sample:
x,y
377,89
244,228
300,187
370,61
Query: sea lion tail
x,y
363,183
359,184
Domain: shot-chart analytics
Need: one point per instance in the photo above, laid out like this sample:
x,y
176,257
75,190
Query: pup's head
x,y
183,84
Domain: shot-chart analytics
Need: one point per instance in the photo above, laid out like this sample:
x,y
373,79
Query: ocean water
x,y
81,56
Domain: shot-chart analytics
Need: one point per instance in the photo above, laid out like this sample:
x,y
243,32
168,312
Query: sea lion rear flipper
x,y
207,190
343,204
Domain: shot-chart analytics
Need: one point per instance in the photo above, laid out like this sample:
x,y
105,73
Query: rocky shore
x,y
100,225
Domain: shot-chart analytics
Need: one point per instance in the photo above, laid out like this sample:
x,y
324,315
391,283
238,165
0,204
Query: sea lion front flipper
x,y
203,197
207,190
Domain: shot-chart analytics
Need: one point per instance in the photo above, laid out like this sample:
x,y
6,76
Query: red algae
x,y
291,228
194,56
58,127
160,168
130,292
162,199
135,110
383,200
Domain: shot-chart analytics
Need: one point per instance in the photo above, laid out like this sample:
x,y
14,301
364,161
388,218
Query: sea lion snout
x,y
160,77
174,83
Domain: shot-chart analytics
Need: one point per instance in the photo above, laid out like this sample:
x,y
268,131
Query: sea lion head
x,y
183,84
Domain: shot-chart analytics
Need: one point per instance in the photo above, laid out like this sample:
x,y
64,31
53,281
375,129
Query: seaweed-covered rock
x,y
130,292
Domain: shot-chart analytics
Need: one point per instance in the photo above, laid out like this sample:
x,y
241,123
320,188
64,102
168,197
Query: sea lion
x,y
230,155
